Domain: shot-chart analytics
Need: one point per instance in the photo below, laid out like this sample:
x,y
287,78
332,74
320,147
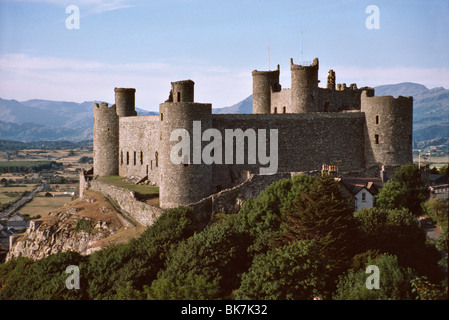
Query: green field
x,y
26,166
120,182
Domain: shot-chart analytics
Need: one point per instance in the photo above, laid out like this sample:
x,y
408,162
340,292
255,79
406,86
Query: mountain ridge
x,y
31,120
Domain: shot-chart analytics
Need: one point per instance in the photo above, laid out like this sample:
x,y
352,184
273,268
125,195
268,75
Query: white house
x,y
363,190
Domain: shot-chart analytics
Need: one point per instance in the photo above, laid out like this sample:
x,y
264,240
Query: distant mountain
x,y
35,120
244,106
405,89
430,112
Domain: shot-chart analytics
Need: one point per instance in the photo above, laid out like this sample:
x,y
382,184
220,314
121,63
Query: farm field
x,y
8,194
432,161
41,205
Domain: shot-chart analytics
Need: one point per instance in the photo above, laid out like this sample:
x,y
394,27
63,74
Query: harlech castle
x,y
344,126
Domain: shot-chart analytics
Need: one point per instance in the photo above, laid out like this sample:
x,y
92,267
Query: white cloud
x,y
24,77
92,6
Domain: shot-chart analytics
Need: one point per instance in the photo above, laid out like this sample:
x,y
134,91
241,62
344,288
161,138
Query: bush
x,y
398,232
138,261
44,279
292,272
394,282
212,259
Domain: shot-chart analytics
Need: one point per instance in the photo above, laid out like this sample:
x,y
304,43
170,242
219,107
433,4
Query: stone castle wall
x,y
141,212
139,147
305,141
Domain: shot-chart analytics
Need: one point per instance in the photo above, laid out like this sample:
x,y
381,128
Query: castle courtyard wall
x,y
141,212
139,147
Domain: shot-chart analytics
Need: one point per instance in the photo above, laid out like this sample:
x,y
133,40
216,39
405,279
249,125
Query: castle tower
x,y
106,140
304,88
125,102
190,180
264,82
388,132
183,91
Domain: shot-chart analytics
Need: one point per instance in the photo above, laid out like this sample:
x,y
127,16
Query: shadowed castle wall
x,y
305,142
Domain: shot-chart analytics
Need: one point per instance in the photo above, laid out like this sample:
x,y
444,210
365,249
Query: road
x,y
10,210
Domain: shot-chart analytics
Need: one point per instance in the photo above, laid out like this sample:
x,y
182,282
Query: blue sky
x,y
148,44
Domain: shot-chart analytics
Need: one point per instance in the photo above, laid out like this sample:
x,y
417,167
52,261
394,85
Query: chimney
x,y
383,175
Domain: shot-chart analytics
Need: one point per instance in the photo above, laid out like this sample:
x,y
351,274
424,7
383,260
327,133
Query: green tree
x,y
409,177
394,282
444,170
325,215
293,272
138,261
43,279
437,210
213,258
398,232
393,195
425,290
262,217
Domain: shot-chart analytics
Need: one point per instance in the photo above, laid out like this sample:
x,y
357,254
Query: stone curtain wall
x,y
231,200
305,141
143,213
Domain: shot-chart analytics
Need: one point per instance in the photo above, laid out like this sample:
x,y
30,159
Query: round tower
x,y
183,91
264,82
304,88
184,178
125,102
388,132
106,140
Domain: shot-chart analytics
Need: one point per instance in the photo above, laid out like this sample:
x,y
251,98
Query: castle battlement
x,y
339,125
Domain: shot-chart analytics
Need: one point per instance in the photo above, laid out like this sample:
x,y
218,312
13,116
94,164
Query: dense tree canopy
x,y
298,239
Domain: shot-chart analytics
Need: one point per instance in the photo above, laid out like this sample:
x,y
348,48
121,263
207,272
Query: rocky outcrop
x,y
85,225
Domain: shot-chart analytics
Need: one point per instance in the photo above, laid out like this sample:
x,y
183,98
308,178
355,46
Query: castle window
x,y
275,110
284,109
147,169
135,158
377,119
121,157
363,196
376,138
141,157
178,97
127,157
162,116
156,155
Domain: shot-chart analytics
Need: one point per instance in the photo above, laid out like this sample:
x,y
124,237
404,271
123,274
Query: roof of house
x,y
438,179
354,184
17,217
